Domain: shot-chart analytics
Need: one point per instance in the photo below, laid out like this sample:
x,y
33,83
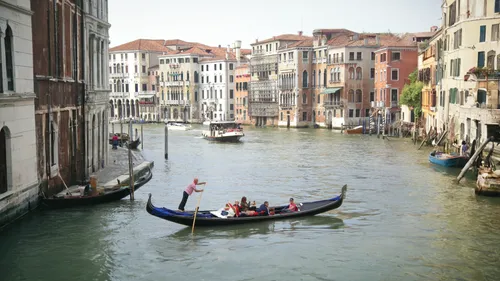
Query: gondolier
x,y
189,190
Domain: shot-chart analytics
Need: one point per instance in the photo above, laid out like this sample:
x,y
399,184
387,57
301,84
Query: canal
x,y
403,219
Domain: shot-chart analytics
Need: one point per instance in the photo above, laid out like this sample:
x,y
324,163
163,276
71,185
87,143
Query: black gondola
x,y
206,218
55,202
134,144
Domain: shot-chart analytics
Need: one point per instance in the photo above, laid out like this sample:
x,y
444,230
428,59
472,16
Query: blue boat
x,y
448,160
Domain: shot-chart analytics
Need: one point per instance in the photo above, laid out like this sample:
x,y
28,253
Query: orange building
x,y
241,95
393,63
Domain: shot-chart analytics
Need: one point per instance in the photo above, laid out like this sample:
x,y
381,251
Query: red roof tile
x,y
149,45
283,37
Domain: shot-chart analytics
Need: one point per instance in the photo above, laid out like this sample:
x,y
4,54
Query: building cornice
x,y
16,8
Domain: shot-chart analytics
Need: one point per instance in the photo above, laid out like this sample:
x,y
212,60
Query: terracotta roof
x,y
242,66
154,66
149,45
283,37
385,40
246,51
428,34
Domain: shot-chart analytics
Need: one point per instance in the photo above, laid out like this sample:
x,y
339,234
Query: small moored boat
x,y
74,198
354,131
224,131
134,144
208,218
448,160
488,182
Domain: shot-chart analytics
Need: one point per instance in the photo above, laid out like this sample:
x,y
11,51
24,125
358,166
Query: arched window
x,y
319,78
490,61
351,72
332,74
305,82
359,95
304,98
324,78
196,78
8,59
359,73
319,100
314,78
187,76
351,95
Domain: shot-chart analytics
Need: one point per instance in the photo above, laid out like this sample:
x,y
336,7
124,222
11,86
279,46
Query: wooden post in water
x,y
378,125
142,137
473,158
131,166
121,133
112,128
166,141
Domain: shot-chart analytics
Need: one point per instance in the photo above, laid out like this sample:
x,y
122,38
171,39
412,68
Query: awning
x,y
330,90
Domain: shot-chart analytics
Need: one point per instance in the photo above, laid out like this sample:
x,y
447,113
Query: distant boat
x,y
176,126
223,131
448,160
134,144
207,123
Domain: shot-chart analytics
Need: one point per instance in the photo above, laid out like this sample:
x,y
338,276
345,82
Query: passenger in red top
x,y
292,207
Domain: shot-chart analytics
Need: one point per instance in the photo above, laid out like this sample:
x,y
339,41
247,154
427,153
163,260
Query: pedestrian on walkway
x,y
115,141
189,190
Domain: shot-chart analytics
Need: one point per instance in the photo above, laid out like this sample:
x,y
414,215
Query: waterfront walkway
x,y
118,168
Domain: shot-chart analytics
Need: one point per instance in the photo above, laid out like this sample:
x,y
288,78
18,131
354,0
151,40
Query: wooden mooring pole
x,y
473,159
142,137
121,133
166,141
131,165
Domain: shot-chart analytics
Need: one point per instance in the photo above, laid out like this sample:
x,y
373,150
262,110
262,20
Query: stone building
x,y
18,158
96,34
59,63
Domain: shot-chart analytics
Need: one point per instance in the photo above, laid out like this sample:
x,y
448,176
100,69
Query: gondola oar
x,y
196,210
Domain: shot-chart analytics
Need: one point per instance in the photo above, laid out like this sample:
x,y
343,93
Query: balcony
x,y
333,103
377,104
176,102
174,65
145,94
175,83
394,103
118,75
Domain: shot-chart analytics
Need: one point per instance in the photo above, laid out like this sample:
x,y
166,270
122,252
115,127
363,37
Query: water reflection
x,y
313,223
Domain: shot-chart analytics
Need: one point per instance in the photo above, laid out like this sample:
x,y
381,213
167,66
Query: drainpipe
x,y
84,86
49,97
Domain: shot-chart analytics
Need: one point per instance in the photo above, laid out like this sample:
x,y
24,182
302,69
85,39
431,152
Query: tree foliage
x,y
412,93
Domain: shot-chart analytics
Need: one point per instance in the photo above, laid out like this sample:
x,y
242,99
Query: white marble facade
x,y
97,76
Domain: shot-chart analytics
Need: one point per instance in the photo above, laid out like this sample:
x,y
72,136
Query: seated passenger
x,y
262,210
244,204
292,207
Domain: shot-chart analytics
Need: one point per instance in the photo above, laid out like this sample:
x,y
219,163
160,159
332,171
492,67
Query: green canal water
x,y
403,219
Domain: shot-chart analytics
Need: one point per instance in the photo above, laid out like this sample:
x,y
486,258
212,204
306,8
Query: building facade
x,y
393,63
470,63
128,75
96,34
264,91
242,81
58,66
18,153
427,74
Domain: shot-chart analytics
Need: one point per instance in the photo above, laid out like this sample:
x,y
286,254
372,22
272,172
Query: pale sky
x,y
221,22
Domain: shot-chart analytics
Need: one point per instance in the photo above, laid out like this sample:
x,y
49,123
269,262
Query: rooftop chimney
x,y
237,47
300,33
377,40
434,28
219,46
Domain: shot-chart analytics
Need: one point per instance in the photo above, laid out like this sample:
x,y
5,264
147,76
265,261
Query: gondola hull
x,y
206,219
448,160
76,201
134,144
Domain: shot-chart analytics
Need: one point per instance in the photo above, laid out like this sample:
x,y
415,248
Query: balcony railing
x,y
176,102
394,103
377,104
333,103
